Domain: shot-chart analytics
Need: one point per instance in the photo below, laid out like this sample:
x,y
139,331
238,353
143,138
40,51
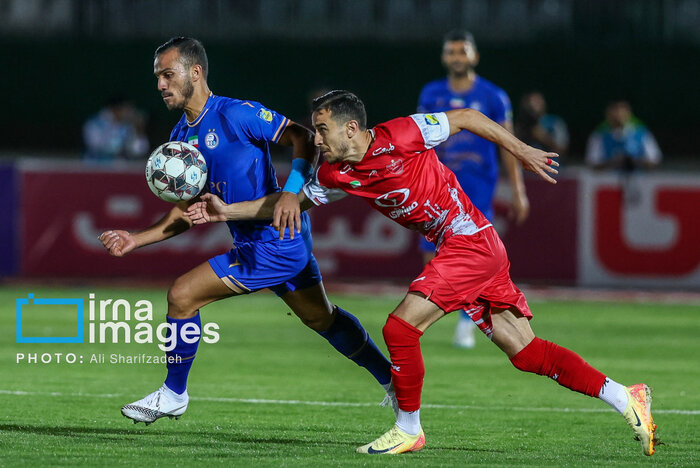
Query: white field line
x,y
259,401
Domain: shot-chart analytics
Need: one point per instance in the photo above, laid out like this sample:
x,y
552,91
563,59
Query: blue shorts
x,y
282,266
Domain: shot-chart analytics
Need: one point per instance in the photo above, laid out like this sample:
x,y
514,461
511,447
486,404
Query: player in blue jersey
x,y
473,159
234,137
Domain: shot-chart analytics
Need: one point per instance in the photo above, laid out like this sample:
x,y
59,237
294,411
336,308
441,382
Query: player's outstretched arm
x,y
211,209
532,159
120,243
287,211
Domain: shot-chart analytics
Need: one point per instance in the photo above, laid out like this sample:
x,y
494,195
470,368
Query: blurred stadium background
x,y
65,58
583,251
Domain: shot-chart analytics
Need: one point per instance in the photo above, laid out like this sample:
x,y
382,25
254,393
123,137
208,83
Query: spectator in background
x,y
539,129
115,132
622,142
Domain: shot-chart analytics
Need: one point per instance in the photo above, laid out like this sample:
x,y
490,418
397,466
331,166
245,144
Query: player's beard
x,y
340,154
187,92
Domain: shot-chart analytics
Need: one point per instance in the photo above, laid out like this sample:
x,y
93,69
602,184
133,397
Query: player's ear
x,y
351,128
475,59
196,72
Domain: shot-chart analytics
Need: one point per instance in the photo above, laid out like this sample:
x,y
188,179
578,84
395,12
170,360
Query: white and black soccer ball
x,y
176,171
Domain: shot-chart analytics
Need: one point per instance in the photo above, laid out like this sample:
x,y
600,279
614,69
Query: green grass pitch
x,y
272,393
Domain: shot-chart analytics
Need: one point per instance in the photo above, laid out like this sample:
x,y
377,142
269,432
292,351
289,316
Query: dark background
x,y
592,53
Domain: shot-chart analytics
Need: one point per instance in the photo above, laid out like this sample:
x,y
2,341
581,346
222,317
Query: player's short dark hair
x,y
343,106
191,52
459,35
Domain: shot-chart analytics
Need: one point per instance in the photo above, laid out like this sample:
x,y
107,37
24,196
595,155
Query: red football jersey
x,y
401,176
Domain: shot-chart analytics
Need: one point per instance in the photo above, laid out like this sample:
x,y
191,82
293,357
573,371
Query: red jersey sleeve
x,y
419,132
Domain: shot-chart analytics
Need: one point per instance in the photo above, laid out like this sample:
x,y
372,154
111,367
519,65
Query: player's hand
x,y
287,214
210,209
539,162
119,243
519,208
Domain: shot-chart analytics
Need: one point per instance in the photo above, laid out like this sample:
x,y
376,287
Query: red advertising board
x,y
63,212
586,230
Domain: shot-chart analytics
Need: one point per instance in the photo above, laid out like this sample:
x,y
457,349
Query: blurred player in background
x,y
395,170
473,159
234,137
535,127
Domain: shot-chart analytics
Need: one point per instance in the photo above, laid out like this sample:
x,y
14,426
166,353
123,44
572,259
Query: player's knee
x,y
392,330
179,302
317,319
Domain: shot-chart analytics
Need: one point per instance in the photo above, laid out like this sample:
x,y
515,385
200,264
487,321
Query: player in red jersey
x,y
394,168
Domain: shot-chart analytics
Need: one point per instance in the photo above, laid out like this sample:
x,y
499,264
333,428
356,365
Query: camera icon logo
x,y
77,302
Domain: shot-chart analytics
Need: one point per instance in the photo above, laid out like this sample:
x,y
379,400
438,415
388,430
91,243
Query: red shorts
x,y
471,273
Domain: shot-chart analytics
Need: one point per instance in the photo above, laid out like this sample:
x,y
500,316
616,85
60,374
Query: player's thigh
x,y
311,305
417,310
511,330
197,288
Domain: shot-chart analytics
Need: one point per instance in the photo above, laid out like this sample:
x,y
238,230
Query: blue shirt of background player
x,y
234,137
473,159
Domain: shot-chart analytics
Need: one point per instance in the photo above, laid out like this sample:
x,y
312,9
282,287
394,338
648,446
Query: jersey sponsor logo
x,y
265,115
393,199
403,211
211,140
356,183
395,166
379,151
347,168
217,188
421,278
430,119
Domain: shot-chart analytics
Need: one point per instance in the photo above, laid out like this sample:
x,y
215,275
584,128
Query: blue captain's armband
x,y
301,172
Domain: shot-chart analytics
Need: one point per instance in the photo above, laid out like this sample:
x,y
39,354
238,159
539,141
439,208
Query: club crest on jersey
x,y
457,103
211,140
265,115
194,141
395,166
379,151
430,119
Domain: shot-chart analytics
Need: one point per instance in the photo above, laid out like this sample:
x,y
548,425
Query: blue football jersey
x,y
473,159
234,137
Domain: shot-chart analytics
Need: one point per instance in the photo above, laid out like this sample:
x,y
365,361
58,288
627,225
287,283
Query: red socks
x,y
566,367
407,369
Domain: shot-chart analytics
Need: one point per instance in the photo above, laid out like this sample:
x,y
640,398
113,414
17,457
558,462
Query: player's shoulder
x,y
487,86
241,110
394,128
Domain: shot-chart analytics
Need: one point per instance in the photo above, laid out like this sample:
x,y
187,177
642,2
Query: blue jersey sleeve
x,y
502,111
256,122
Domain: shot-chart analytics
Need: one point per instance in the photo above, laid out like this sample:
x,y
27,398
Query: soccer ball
x,y
176,171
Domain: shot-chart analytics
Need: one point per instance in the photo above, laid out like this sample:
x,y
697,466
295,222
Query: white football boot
x,y
159,404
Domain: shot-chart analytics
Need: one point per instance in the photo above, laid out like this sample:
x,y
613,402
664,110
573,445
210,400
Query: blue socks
x,y
347,335
178,371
